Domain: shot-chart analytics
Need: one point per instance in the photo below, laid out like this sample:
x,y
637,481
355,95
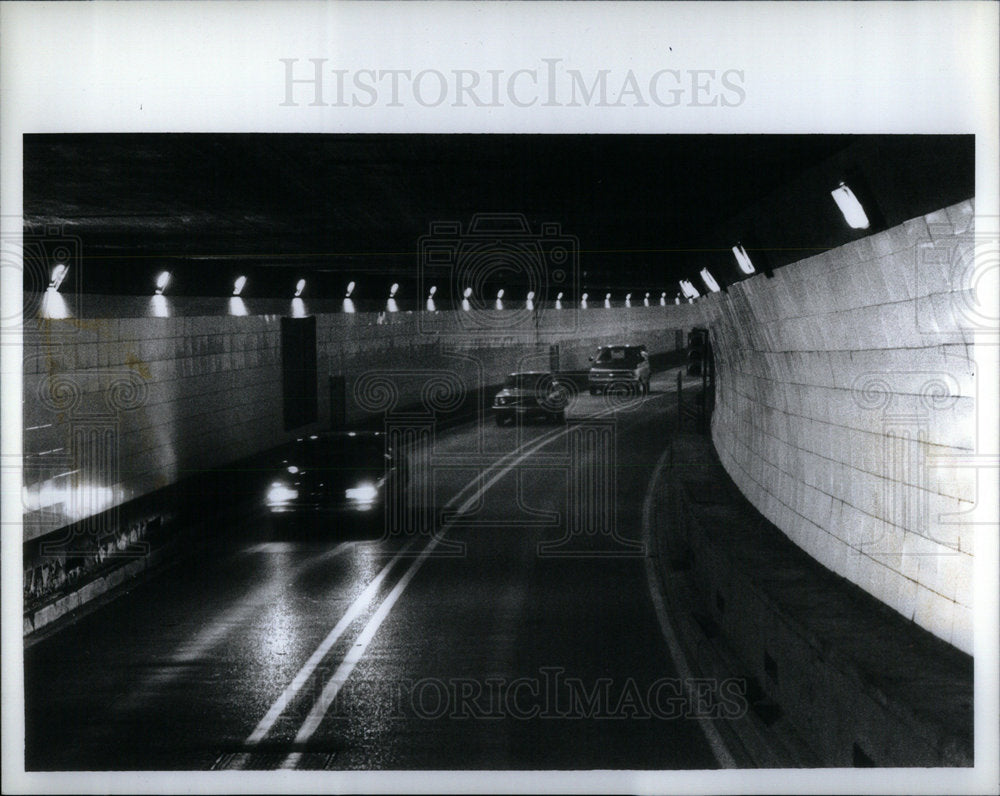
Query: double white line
x,y
319,709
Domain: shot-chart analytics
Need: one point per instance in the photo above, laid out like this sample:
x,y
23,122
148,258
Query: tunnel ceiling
x,y
343,205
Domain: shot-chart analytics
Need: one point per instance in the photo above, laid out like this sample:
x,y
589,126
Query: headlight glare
x,y
363,493
280,493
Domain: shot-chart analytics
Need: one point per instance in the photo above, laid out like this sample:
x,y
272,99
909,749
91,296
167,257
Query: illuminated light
x,y
280,493
393,289
348,305
350,289
363,493
298,308
299,287
237,308
58,275
75,501
467,292
607,300
500,293
352,433
432,291
499,304
531,295
391,305
160,306
628,299
293,469
645,300
431,306
677,299
162,281
238,285
854,213
54,305
313,436
689,290
743,259
709,280
465,305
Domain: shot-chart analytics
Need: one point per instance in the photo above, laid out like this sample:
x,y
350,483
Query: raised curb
x,y
851,678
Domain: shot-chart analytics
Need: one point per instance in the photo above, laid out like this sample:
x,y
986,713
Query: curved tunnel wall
x,y
845,384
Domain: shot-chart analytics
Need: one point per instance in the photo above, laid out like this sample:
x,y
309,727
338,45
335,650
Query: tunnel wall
x,y
117,407
841,381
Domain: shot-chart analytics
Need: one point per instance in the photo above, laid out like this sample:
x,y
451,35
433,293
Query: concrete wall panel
x,y
840,379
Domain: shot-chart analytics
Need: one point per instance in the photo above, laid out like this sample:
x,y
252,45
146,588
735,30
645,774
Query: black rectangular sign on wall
x,y
298,371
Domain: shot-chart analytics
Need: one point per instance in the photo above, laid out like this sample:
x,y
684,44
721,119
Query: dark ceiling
x,y
336,207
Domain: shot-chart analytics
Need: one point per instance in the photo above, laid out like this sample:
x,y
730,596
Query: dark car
x,y
530,394
619,366
338,481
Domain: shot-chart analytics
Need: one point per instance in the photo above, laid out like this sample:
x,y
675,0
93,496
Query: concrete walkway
x,y
834,677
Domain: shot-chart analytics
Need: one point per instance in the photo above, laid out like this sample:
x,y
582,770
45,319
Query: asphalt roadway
x,y
520,632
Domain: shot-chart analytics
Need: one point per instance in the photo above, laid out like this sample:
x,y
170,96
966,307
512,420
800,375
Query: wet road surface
x,y
520,634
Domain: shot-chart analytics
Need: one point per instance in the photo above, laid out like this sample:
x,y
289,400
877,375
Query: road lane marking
x,y
715,742
319,709
322,705
353,657
292,689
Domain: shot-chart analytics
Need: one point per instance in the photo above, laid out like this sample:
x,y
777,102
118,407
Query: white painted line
x,y
357,651
293,688
332,688
718,746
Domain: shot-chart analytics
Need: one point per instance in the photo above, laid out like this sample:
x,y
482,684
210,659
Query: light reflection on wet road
x,y
311,652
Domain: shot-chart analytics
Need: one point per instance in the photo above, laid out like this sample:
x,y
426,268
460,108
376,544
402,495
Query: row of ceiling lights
x,y
849,205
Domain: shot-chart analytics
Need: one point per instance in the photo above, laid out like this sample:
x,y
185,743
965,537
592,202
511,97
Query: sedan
x,y
531,394
336,481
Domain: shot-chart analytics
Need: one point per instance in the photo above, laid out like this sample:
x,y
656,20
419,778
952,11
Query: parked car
x,y
532,394
619,365
337,481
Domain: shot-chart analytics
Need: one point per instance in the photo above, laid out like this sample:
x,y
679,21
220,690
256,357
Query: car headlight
x,y
501,401
363,493
280,493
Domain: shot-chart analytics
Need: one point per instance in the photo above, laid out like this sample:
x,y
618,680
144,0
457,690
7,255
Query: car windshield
x,y
619,357
345,453
526,381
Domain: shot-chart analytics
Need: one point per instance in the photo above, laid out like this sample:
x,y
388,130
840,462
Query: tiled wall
x,y
843,384
116,407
